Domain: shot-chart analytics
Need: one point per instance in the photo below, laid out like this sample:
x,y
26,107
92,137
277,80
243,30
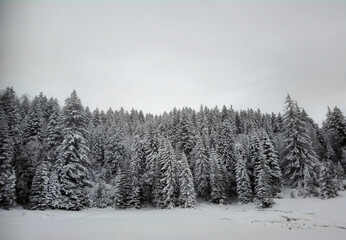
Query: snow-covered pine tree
x,y
135,169
52,106
253,157
309,188
330,153
337,124
103,117
54,190
168,162
299,152
224,113
24,107
54,136
114,151
31,155
263,189
225,143
158,174
334,133
10,103
43,108
40,196
123,186
202,169
97,147
101,198
271,157
242,178
237,124
334,164
186,134
88,115
73,156
187,194
7,174
217,184
340,176
313,133
151,146
109,117
328,189
33,129
96,118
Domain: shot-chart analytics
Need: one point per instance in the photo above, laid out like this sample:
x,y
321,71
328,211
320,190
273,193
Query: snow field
x,y
311,218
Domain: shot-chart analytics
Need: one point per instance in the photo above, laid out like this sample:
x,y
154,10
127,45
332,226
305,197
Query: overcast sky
x,y
154,55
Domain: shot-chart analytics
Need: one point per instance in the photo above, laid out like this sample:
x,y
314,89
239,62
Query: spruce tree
x,y
32,154
96,118
97,146
40,195
299,152
309,187
114,151
225,143
242,177
169,175
335,133
340,176
101,198
151,146
337,124
202,169
186,134
24,107
33,129
328,189
270,155
158,174
187,195
330,153
7,174
218,191
54,136
52,107
135,169
73,156
253,157
263,189
124,180
54,190
10,106
43,108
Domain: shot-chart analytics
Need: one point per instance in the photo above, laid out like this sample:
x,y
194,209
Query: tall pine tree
x,y
40,196
73,156
187,195
168,162
242,177
202,169
217,183
7,174
299,152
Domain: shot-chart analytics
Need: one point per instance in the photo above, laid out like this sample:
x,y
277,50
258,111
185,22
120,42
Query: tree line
x,y
73,158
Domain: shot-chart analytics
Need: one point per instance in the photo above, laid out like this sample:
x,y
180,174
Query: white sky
x,y
154,55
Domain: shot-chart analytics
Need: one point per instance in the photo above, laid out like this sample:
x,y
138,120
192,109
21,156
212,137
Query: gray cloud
x,y
154,56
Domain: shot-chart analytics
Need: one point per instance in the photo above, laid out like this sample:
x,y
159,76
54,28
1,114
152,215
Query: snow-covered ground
x,y
289,219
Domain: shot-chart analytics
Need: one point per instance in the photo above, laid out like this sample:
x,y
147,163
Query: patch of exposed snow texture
x,y
310,218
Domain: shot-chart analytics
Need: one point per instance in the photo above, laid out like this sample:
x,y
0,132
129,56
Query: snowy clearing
x,y
288,219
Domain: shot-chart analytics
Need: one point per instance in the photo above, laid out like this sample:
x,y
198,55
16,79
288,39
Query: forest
x,y
71,157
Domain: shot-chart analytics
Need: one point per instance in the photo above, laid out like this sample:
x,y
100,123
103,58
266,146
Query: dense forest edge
x,y
71,157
